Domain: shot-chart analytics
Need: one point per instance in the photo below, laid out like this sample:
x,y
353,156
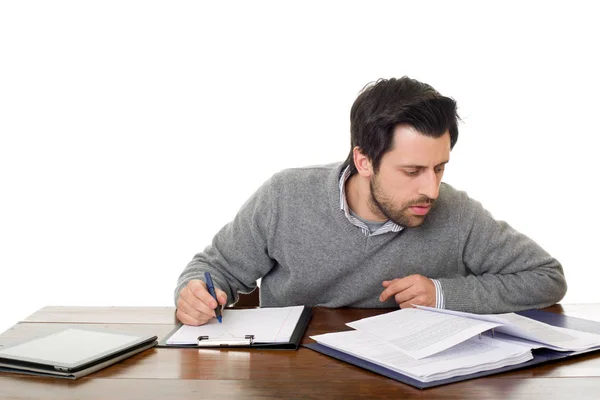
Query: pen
x,y
211,289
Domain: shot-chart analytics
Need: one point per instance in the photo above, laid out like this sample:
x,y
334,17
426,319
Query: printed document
x,y
429,344
419,333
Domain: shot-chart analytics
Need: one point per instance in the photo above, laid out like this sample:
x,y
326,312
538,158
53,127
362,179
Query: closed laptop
x,y
72,353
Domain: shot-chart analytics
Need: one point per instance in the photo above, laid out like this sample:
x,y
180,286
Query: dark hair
x,y
387,103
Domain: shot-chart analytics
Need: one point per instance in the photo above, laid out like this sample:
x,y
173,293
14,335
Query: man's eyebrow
x,y
421,166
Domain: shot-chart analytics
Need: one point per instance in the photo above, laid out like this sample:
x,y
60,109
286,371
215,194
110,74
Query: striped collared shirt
x,y
389,226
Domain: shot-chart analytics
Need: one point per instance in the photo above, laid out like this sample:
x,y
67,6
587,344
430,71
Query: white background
x,y
132,131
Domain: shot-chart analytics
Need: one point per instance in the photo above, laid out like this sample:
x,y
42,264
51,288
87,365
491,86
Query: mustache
x,y
421,200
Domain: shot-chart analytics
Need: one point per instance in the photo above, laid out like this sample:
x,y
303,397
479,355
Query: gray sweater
x,y
293,235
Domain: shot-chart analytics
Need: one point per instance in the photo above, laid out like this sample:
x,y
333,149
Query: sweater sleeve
x,y
238,256
505,270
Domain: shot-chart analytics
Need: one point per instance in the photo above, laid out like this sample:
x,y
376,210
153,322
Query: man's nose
x,y
430,185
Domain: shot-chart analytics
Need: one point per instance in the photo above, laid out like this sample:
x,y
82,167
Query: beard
x,y
380,204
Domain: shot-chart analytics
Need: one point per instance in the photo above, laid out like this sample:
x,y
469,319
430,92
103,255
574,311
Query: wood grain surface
x,y
271,374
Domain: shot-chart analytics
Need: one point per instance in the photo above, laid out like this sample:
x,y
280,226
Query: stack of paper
x,y
429,344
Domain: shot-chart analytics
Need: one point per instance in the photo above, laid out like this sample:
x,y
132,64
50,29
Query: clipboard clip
x,y
225,341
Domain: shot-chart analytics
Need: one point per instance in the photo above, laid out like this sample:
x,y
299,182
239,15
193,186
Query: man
x,y
379,230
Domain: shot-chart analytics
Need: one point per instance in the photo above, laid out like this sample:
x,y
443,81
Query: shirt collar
x,y
389,226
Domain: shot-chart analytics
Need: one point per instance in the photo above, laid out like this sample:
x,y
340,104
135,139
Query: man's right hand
x,y
195,305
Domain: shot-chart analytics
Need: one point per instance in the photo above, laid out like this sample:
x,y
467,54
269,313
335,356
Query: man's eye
x,y
439,169
411,172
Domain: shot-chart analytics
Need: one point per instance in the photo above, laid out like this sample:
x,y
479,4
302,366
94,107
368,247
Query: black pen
x,y
211,289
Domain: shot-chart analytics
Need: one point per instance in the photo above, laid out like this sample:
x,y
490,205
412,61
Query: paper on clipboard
x,y
266,325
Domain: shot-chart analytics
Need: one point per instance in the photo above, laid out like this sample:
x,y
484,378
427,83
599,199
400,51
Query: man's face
x,y
408,181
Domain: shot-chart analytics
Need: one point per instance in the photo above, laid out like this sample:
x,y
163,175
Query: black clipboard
x,y
247,341
540,356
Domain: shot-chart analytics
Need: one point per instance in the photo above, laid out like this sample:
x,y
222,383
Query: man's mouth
x,y
420,209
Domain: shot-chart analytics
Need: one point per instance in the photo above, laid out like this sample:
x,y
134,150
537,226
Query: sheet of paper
x,y
481,317
474,355
552,337
517,341
557,338
268,325
420,333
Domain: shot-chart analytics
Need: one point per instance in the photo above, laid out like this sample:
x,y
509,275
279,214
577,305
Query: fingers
x,y
406,297
195,305
191,310
221,296
393,287
189,320
410,291
199,291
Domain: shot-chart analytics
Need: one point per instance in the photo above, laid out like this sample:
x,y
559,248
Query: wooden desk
x,y
251,374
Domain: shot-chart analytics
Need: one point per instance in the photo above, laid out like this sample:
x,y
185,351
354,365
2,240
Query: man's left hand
x,y
414,289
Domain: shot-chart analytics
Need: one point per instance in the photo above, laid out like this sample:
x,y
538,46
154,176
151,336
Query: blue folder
x,y
540,356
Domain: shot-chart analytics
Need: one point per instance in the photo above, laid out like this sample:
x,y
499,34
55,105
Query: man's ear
x,y
362,163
